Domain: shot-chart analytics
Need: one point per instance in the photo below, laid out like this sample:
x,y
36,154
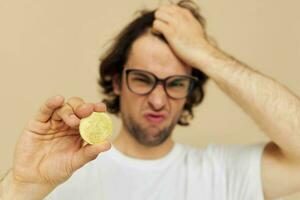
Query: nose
x,y
157,98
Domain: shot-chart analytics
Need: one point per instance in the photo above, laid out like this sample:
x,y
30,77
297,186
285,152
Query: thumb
x,y
89,152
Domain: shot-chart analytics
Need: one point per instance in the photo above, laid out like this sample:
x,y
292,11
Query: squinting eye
x,y
176,83
143,80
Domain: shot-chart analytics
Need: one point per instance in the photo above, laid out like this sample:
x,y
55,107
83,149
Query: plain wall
x,y
53,47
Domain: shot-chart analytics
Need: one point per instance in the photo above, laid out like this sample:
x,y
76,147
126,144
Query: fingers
x,y
161,27
170,9
46,110
70,112
75,109
175,10
67,115
100,107
164,16
82,109
165,19
171,13
168,18
88,153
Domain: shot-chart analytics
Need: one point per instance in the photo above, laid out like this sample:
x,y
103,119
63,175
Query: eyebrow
x,y
142,70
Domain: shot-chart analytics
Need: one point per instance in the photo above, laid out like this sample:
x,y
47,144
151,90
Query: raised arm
x,y
272,106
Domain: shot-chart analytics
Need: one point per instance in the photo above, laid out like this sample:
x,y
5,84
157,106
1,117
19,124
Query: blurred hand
x,y
50,148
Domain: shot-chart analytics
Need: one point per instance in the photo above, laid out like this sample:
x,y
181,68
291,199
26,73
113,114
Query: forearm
x,y
273,107
11,190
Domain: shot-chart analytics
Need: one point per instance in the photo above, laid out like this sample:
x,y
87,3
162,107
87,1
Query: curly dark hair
x,y
113,60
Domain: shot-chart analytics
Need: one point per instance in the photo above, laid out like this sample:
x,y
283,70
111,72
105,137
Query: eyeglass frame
x,y
162,82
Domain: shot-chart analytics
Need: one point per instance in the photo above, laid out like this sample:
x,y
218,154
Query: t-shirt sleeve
x,y
240,166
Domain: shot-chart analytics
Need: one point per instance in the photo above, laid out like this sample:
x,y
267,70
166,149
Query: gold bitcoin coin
x,y
96,128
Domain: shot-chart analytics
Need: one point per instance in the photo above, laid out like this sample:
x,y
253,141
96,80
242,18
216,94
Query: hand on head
x,y
184,33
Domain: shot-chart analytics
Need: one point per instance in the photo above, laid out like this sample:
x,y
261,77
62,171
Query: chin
x,y
154,130
146,133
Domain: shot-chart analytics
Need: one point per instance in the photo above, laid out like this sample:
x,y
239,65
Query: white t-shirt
x,y
217,172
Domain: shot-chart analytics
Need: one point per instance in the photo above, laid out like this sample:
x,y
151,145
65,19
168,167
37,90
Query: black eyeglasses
x,y
143,82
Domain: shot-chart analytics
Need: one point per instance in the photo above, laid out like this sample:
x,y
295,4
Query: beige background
x,y
52,47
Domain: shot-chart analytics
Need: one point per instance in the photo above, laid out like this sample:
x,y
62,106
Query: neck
x,y
128,145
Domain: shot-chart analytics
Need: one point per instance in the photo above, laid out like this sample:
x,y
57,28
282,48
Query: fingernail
x,y
101,106
107,145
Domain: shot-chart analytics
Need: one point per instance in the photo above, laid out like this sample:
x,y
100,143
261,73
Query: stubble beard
x,y
141,133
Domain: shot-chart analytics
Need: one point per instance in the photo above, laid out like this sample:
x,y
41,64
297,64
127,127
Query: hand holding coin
x,y
51,148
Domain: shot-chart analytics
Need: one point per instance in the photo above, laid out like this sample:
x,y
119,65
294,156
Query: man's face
x,y
151,118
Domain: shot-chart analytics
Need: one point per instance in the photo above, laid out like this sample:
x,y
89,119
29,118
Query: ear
x,y
116,82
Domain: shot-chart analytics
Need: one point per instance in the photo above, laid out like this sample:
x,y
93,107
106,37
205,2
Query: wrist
x,y
212,60
13,189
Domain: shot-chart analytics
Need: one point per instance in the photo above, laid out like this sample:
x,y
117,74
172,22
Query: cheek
x,y
131,103
177,106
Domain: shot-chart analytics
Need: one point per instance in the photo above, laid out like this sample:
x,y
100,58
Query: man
x,y
155,89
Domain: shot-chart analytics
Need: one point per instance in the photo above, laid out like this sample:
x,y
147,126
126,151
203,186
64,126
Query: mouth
x,y
155,118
